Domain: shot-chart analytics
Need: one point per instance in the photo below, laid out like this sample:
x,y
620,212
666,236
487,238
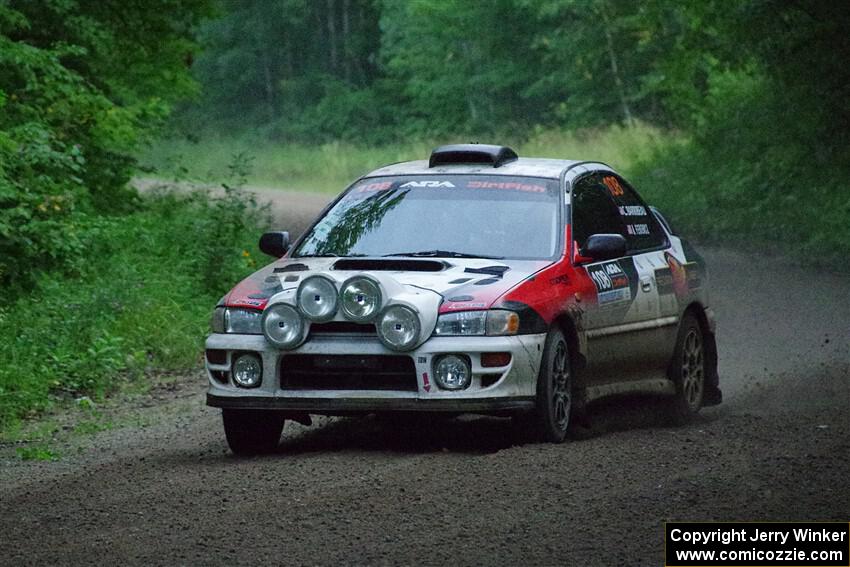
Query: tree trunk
x,y
615,69
346,40
332,39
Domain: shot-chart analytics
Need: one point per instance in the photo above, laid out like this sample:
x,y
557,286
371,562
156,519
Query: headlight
x,y
317,298
452,372
461,323
239,321
360,299
496,322
398,327
247,371
283,326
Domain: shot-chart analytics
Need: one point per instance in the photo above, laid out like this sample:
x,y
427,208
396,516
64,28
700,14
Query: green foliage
x,y
82,84
747,177
755,92
37,453
140,302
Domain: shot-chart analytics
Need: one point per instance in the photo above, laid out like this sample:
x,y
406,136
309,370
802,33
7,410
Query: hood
x,y
462,283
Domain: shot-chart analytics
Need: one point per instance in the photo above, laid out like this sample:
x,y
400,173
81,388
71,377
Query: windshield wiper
x,y
442,253
329,255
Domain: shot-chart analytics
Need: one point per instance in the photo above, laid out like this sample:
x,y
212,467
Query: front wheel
x,y
551,416
687,371
252,432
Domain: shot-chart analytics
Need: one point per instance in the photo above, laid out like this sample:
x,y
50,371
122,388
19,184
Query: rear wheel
x,y
551,416
252,432
688,370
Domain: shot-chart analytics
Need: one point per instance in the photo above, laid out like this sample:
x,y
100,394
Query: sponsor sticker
x,y
428,184
664,281
510,186
612,283
466,305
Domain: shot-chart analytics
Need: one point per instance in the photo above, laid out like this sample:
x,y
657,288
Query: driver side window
x,y
594,211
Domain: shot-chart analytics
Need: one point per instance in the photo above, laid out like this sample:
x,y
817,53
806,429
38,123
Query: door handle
x,y
646,284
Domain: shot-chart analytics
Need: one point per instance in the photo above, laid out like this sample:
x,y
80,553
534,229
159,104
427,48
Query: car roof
x,y
529,167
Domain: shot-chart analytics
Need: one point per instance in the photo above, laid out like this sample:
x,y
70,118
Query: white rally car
x,y
474,282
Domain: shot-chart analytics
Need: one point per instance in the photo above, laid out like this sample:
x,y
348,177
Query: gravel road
x,y
361,491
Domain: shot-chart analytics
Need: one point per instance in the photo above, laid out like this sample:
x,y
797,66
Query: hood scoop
x,y
292,268
497,271
390,265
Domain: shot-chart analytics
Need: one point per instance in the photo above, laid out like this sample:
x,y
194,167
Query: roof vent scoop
x,y
472,154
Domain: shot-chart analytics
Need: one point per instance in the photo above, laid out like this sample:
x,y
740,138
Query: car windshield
x,y
442,216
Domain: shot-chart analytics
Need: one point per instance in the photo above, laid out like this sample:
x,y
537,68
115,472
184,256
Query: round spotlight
x,y
452,372
398,327
283,326
248,371
360,299
317,298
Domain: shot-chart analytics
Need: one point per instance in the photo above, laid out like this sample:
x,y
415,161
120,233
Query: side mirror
x,y
604,246
275,243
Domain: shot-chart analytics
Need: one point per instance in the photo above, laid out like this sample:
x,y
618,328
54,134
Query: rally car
x,y
474,282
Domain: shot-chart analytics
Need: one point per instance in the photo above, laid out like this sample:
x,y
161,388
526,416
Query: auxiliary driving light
x,y
398,327
360,299
248,371
452,372
317,298
283,326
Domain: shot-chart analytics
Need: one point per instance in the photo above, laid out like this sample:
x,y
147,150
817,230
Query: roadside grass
x,y
139,306
37,453
331,167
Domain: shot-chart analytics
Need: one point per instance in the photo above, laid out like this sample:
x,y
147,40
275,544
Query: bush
x,y
139,302
750,176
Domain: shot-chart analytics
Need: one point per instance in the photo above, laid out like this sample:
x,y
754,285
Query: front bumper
x,y
511,388
344,405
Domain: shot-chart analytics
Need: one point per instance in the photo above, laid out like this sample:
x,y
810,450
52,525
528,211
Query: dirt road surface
x,y
360,491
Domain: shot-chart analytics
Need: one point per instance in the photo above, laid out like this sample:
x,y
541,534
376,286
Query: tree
x,y
82,84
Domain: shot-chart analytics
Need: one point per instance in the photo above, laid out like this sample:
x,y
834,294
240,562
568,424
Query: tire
x,y
688,371
252,432
553,403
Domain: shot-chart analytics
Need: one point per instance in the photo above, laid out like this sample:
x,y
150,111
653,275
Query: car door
x,y
621,324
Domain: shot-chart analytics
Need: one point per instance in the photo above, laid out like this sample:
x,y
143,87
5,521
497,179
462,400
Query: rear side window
x,y
640,227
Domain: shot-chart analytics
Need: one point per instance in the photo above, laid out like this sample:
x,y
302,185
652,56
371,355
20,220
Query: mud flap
x,y
712,396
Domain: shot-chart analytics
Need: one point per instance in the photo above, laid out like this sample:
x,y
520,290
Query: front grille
x,y
347,372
